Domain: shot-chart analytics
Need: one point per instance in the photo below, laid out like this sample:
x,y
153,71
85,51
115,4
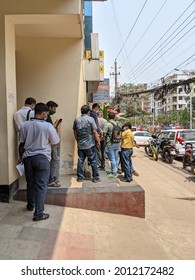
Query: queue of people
x,y
96,137
39,148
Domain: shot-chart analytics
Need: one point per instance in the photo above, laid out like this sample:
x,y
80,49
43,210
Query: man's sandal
x,y
135,173
43,217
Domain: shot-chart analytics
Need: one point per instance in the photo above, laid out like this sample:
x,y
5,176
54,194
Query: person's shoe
x,y
135,173
57,181
54,185
128,180
119,171
96,180
43,217
29,208
112,175
101,168
79,180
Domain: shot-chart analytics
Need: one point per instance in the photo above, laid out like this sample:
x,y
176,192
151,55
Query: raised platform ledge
x,y
126,200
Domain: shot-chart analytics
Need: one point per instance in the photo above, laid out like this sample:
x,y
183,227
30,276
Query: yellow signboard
x,y
88,54
101,69
101,54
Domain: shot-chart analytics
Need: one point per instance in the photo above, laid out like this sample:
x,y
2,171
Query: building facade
x,y
178,98
42,50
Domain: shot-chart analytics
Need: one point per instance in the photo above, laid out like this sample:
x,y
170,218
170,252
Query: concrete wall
x,y
51,69
47,68
10,69
3,108
40,7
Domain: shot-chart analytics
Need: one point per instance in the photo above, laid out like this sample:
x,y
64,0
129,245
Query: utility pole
x,y
153,112
115,74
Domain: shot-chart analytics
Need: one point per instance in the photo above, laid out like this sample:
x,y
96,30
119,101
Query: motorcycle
x,y
189,156
151,149
163,147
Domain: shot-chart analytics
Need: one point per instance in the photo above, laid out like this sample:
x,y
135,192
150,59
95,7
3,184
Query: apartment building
x,y
178,98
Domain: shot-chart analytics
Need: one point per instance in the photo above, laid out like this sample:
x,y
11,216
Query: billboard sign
x,y
103,92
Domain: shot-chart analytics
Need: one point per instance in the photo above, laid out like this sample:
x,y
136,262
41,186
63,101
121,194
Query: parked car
x,y
177,137
141,137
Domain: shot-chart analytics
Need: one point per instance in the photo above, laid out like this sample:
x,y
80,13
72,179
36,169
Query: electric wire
x,y
153,55
120,36
180,65
132,28
179,55
144,33
141,60
165,51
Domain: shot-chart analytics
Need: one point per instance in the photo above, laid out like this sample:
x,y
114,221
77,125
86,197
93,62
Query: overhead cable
x,y
141,61
131,29
165,51
146,30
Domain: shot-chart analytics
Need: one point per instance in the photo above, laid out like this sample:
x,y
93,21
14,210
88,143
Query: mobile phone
x,y
59,122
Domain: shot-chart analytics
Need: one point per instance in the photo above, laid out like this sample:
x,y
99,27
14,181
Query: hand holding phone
x,y
58,123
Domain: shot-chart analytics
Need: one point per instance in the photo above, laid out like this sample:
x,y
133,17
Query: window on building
x,y
180,97
174,99
180,106
180,90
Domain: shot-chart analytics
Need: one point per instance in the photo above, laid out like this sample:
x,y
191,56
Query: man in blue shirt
x,y
85,132
36,137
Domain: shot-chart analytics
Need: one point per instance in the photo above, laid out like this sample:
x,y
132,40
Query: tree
x,y
163,119
184,116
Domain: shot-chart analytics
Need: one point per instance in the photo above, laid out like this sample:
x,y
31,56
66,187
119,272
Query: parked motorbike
x,y
151,148
189,156
163,147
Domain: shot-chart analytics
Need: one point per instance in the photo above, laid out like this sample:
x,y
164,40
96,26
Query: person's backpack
x,y
116,133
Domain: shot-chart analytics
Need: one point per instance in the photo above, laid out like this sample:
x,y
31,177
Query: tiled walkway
x,y
167,232
74,234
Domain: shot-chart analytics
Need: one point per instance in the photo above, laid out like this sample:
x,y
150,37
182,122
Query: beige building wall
x,y
41,52
40,7
51,69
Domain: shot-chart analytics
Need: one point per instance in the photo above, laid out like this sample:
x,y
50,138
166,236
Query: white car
x,y
142,137
177,138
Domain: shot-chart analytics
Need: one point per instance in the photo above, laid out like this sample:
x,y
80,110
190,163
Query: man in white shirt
x,y
101,157
25,113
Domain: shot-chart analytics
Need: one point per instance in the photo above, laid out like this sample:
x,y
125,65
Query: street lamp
x,y
186,72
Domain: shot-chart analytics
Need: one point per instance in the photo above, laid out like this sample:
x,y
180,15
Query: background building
x,y
179,97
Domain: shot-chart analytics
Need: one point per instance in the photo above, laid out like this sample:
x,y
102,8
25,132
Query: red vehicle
x,y
189,156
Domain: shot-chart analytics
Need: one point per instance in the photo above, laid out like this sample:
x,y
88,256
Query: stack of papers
x,y
20,168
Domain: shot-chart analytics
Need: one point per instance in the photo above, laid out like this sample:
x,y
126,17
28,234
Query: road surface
x,y
170,203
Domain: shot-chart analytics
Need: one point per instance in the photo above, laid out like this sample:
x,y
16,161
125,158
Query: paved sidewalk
x,y
71,234
74,234
167,232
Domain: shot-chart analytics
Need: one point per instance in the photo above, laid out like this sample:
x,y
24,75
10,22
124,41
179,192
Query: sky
x,y
147,38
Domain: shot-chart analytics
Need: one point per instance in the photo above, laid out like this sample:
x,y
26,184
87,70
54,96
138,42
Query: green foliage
x,y
105,111
181,117
184,116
